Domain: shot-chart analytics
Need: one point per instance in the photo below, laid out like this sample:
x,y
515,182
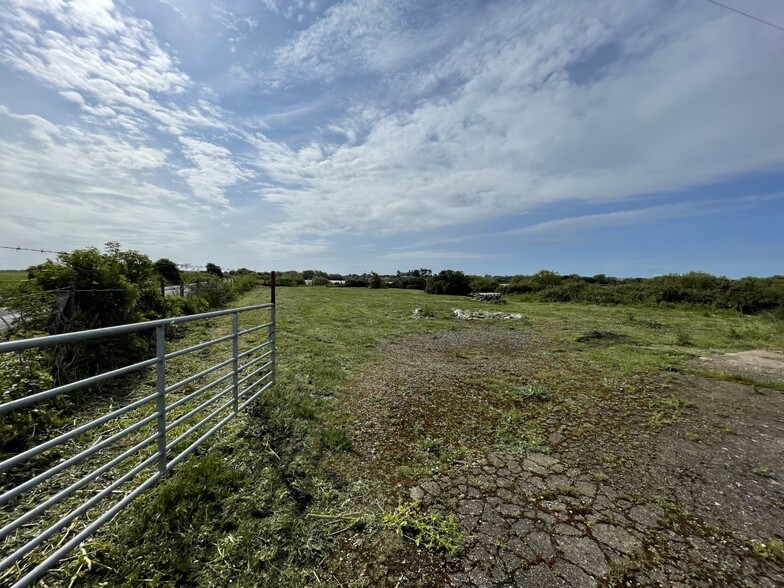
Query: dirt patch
x,y
759,364
425,396
602,337
723,458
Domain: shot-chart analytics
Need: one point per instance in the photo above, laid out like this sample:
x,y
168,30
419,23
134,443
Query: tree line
x,y
749,295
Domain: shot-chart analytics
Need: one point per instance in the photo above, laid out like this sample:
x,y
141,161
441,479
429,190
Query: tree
x,y
215,270
448,282
375,281
167,269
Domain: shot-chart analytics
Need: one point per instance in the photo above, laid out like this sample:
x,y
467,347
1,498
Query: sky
x,y
501,137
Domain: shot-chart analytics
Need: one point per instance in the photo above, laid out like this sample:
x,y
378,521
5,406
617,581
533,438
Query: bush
x,y
448,282
289,278
518,285
98,290
749,295
483,284
355,281
23,374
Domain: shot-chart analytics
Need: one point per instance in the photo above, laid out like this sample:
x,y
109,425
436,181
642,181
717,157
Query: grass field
x,y
356,468
11,277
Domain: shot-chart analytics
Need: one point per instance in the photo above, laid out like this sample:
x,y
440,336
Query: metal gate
x,y
59,492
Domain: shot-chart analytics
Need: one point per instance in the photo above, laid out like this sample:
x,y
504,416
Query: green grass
x,y
11,277
283,487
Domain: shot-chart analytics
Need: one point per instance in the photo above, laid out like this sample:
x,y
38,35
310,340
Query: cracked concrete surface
x,y
533,521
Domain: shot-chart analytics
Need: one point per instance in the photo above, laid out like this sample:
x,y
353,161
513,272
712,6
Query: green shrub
x,y
98,290
483,284
22,374
448,282
289,278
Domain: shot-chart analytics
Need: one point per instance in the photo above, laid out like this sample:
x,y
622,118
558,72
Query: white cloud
x,y
214,170
62,185
361,36
682,108
109,62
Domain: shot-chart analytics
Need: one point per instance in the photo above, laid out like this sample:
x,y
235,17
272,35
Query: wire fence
x,y
57,493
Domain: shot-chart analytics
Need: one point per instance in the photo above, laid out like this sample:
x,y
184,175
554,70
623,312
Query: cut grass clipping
x,y
425,529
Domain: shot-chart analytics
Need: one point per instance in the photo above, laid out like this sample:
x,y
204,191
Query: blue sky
x,y
586,136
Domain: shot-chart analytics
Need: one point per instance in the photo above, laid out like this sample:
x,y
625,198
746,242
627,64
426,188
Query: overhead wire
x,y
747,15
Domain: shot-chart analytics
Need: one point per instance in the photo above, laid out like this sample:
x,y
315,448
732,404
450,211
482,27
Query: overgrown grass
x,y
279,492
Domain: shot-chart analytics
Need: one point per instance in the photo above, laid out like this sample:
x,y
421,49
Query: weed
x,y
773,549
426,312
569,491
669,412
334,439
409,471
432,447
683,339
691,436
532,392
429,530
763,472
664,503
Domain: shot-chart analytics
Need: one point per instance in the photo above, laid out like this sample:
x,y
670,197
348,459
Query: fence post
x,y
235,329
272,327
160,350
182,288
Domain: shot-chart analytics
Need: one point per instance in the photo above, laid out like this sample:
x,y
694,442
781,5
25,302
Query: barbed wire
x,y
10,247
183,266
42,292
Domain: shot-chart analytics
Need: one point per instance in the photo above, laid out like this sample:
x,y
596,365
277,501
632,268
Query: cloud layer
x,y
280,132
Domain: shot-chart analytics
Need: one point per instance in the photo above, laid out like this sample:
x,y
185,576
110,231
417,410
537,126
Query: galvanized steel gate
x,y
144,450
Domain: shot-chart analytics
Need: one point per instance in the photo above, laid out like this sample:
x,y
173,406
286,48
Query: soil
x,y
759,364
671,480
